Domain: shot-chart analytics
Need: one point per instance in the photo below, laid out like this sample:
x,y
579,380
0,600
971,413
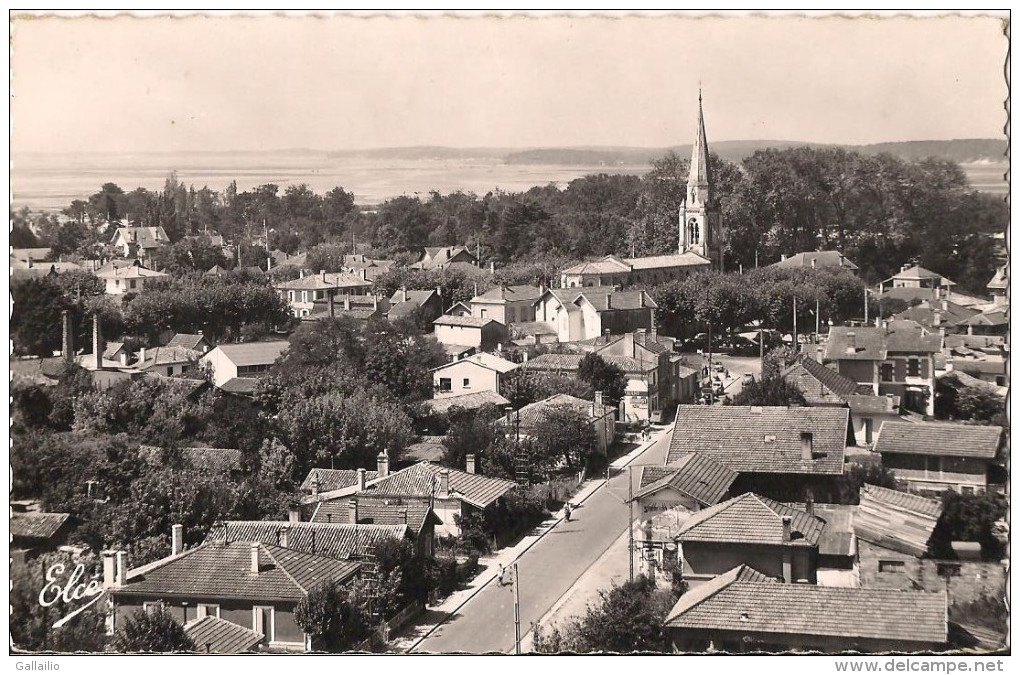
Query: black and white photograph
x,y
509,333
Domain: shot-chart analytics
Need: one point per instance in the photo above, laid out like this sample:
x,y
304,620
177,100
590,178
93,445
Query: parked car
x,y
748,378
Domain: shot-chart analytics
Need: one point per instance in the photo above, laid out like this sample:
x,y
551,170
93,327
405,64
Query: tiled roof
x,y
406,510
130,272
702,592
111,350
916,272
988,318
336,540
864,404
334,479
240,385
909,294
440,256
655,262
698,476
896,520
1000,281
531,415
509,294
469,321
938,438
994,365
726,604
485,360
253,353
422,479
910,336
750,519
608,265
186,340
145,237
26,254
762,439
855,343
223,571
554,362
218,636
535,328
207,459
467,401
817,259
36,524
457,350
903,500
819,382
611,301
428,449
162,356
319,282
931,316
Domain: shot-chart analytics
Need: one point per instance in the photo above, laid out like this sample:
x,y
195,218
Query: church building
x,y
701,230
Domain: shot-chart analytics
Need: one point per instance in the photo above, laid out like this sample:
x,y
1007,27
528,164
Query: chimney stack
x,y
294,513
269,263
787,521
141,354
782,257
353,504
176,540
301,274
403,294
383,464
806,445
470,463
361,480
285,537
254,559
109,569
809,505
124,359
851,343
315,484
97,341
121,577
68,341
599,398
444,484
492,267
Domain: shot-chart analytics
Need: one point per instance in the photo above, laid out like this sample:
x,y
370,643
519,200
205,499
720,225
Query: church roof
x,y
701,171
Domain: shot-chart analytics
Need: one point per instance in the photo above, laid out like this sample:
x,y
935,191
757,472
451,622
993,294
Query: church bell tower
x,y
700,225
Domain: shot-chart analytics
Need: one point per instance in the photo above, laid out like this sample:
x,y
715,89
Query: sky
x,y
186,84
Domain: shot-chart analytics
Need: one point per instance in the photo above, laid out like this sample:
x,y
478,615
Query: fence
x,y
381,635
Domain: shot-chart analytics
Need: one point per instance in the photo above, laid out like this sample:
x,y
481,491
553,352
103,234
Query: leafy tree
x,y
469,432
335,616
155,631
969,518
36,318
627,618
522,387
769,391
604,377
854,476
978,403
564,435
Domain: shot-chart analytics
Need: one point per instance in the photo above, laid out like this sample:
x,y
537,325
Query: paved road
x,y
547,570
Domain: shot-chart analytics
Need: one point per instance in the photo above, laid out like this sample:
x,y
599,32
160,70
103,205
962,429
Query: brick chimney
x,y
383,464
806,445
67,347
315,484
361,480
444,484
176,540
122,567
353,505
787,521
470,463
254,559
98,346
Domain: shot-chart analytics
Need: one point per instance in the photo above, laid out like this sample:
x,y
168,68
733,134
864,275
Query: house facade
x,y
614,271
584,314
247,360
478,372
301,294
469,331
441,257
507,304
128,279
524,423
816,259
939,456
134,242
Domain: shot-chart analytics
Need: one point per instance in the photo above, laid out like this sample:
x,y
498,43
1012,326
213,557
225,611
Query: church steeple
x,y
700,230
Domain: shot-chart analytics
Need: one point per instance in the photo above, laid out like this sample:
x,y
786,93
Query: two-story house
x,y
136,242
469,331
583,314
784,453
441,257
424,306
130,278
939,456
249,584
896,359
301,294
475,373
507,304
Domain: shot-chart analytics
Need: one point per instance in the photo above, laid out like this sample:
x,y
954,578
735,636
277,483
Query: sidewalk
x,y
438,614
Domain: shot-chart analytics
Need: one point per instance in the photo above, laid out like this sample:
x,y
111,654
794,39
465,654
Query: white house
x,y
135,241
247,360
129,279
478,372
469,331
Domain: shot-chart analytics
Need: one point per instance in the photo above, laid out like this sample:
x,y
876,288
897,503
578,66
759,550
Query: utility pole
x,y
517,611
818,317
630,521
865,305
761,348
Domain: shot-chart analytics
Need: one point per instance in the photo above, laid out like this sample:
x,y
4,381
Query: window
x,y
151,607
304,296
885,372
948,569
484,313
170,370
967,489
263,621
290,295
467,383
445,384
914,366
205,610
1000,381
132,283
891,566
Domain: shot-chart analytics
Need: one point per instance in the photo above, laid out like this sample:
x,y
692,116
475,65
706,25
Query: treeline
x,y
880,211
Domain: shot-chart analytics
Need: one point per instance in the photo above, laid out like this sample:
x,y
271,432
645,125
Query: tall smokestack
x,y
68,341
176,539
353,505
97,341
383,464
121,578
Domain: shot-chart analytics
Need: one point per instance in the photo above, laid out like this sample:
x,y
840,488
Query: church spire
x,y
701,173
